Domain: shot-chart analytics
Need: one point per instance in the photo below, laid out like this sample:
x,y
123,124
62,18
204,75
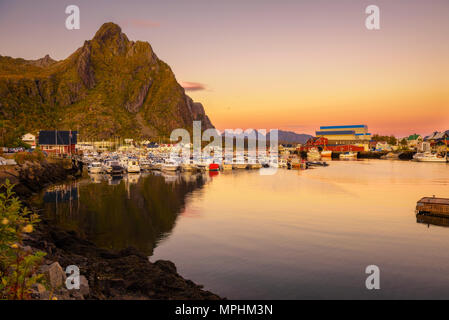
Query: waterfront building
x,y
30,139
414,140
346,135
58,142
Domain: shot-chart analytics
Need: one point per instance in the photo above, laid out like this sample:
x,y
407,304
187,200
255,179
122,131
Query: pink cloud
x,y
193,86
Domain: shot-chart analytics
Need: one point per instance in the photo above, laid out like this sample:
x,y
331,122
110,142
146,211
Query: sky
x,y
287,64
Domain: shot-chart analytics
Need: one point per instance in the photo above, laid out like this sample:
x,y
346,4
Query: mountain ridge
x,y
109,87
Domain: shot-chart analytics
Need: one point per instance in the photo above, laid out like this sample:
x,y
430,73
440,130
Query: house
x,y
438,141
414,140
30,139
58,142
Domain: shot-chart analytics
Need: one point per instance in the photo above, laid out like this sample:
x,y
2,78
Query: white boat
x,y
170,165
145,164
253,164
95,167
133,166
313,155
238,164
187,166
430,157
348,155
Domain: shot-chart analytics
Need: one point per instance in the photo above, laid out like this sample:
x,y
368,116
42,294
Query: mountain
x,y
283,136
109,87
292,137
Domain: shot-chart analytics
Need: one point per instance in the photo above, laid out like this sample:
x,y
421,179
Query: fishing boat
x,y
348,155
133,166
429,157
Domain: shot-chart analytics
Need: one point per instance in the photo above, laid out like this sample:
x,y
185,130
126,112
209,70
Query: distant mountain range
x,y
109,87
288,137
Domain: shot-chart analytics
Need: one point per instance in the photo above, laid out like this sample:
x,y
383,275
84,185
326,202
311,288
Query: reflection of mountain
x,y
123,215
432,220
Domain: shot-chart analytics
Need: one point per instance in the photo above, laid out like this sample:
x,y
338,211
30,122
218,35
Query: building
x,y
414,140
30,139
348,135
58,142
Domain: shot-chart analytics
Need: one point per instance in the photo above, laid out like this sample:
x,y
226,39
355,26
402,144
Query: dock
x,y
433,206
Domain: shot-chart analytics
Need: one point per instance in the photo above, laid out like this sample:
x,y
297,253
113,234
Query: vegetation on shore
x,y
18,263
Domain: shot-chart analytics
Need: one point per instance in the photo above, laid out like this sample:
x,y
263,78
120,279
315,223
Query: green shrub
x,y
18,266
35,156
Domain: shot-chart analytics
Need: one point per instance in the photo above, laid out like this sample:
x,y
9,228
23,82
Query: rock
x,y
84,286
54,274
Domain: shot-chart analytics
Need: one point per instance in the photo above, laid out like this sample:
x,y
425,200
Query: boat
x,y
348,155
187,165
282,163
95,167
145,164
313,155
133,166
390,155
214,167
226,166
429,157
238,164
170,166
112,167
326,154
254,164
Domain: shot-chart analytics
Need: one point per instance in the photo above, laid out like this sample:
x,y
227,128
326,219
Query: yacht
x,y
430,157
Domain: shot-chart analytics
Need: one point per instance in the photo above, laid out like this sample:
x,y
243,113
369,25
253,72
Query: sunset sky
x,y
287,64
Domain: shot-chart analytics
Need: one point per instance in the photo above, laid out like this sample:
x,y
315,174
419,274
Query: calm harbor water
x,y
292,235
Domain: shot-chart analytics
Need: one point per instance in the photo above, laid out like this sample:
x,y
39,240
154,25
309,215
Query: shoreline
x,y
105,274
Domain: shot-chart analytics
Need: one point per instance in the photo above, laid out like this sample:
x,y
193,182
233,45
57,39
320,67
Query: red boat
x,y
214,167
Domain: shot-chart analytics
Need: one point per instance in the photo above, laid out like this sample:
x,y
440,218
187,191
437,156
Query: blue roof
x,y
343,127
363,134
321,133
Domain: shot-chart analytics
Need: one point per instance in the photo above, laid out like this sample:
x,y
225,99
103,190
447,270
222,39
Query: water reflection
x,y
432,220
120,211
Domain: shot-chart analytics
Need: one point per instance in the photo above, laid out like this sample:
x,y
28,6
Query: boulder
x,y
54,274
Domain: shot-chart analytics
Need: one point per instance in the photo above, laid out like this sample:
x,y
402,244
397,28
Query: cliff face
x,y
111,86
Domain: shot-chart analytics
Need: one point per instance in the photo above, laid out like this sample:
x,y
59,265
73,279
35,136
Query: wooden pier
x,y
433,206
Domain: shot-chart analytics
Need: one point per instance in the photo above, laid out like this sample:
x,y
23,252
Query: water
x,y
293,235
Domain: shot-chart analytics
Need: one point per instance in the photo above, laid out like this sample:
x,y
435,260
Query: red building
x,y
322,143
58,142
